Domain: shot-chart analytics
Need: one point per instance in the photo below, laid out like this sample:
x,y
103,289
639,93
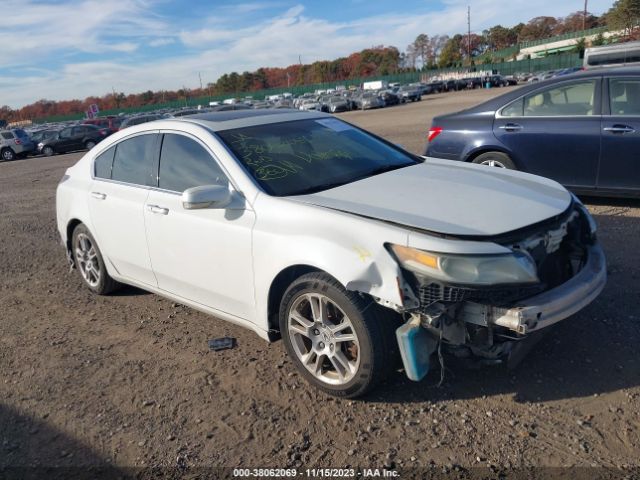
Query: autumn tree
x,y
537,28
625,16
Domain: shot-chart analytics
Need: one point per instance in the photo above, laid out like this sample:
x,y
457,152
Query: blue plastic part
x,y
416,346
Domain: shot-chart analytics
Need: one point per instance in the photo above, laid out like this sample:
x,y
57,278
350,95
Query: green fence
x,y
552,62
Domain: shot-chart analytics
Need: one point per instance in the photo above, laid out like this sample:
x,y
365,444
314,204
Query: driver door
x,y
201,255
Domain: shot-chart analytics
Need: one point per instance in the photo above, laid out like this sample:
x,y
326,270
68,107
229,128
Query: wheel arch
x,y
277,288
71,226
471,156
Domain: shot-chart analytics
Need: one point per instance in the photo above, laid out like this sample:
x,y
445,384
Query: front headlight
x,y
40,145
498,269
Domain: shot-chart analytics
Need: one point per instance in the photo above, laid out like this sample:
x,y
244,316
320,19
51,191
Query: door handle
x,y
619,129
157,209
511,127
98,195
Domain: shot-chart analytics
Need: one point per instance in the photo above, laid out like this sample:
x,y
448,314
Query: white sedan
x,y
357,253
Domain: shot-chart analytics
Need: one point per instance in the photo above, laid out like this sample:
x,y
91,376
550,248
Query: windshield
x,y
307,156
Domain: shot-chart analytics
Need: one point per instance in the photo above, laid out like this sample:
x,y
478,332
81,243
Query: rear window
x,y
103,163
7,135
133,161
21,133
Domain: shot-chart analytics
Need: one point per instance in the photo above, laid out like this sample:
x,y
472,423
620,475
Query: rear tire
x,y
48,151
318,316
495,159
89,262
89,144
8,155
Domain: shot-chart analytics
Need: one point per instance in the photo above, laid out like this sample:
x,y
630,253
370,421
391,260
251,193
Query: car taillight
x,y
104,131
18,141
433,133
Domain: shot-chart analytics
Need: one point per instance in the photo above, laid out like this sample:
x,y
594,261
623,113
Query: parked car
x,y
627,53
410,94
389,97
335,104
69,139
367,100
109,123
42,135
351,249
139,119
14,144
582,130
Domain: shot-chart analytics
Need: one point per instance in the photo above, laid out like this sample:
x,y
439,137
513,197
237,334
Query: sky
x,y
68,49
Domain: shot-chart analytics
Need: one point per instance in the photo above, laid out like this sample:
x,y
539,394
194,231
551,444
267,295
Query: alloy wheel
x,y
87,259
493,163
323,338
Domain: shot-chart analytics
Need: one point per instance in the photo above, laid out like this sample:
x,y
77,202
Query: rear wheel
x,y
89,262
89,144
340,341
48,151
495,159
8,155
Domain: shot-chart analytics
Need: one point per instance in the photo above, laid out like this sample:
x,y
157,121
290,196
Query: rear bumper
x,y
552,306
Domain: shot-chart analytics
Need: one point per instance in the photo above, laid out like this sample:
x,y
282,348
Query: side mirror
x,y
206,196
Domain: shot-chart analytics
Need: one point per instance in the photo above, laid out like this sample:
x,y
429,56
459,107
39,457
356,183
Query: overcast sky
x,y
65,49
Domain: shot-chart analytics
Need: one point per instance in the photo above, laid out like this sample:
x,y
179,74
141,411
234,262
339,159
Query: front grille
x,y
435,292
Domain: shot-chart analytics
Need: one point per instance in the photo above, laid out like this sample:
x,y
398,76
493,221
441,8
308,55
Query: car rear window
x,y
103,163
133,160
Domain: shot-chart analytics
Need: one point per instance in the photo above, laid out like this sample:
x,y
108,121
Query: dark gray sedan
x,y
582,130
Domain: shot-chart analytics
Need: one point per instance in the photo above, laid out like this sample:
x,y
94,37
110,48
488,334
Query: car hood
x,y
449,198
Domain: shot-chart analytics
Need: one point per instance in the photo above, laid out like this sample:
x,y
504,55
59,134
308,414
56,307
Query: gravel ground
x,y
127,380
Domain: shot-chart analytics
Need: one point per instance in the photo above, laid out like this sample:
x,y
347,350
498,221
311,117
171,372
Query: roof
x,y
501,100
227,120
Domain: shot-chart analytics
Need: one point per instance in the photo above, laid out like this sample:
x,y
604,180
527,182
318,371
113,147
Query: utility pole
x,y
584,16
469,32
200,77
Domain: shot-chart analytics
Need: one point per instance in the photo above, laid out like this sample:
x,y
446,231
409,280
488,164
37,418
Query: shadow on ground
x,y
31,448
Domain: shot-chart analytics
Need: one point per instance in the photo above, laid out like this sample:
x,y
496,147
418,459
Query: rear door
x,y
555,132
123,176
620,156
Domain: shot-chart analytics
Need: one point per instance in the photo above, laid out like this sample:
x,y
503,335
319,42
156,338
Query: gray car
x,y
15,144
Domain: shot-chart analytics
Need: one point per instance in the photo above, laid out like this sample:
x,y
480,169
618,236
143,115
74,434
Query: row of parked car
x,y
50,139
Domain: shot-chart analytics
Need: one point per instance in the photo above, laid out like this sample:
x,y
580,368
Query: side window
x,y
573,99
65,133
7,135
513,110
184,163
79,131
624,95
103,163
133,160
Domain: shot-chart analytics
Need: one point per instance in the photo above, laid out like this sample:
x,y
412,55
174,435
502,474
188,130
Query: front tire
x,y
495,159
48,151
340,341
89,262
89,144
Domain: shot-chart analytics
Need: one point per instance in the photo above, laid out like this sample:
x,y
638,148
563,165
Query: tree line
x,y
425,52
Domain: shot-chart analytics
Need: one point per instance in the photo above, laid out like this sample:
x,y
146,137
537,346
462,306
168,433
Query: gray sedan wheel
x,y
495,159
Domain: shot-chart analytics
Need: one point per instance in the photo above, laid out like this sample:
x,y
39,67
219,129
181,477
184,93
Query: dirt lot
x,y
128,381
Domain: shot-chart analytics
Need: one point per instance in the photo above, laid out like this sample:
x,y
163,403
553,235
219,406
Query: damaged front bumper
x,y
494,334
549,307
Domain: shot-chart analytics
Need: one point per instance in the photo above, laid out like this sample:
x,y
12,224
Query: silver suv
x,y
15,143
